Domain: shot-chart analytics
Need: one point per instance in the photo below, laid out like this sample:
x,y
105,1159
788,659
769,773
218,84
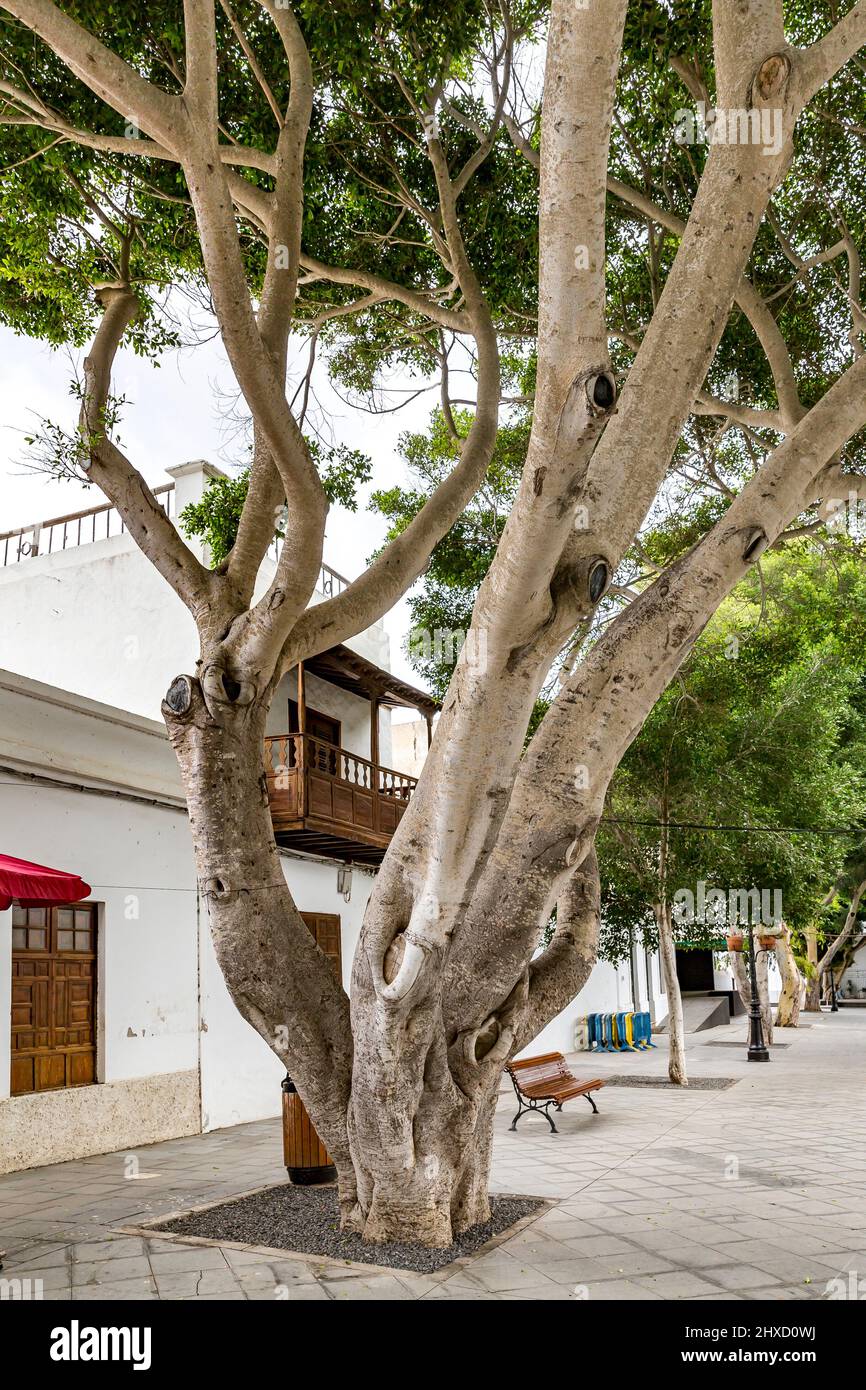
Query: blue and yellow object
x,y
619,1032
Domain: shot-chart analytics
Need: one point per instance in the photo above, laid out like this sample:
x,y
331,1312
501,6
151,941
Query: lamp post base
x,y
757,1050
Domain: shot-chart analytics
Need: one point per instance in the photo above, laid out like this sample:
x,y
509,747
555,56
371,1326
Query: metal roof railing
x,y
68,532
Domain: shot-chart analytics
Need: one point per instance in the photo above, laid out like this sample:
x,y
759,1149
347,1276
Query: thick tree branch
x,y
122,484
850,920
825,58
514,632
558,975
101,70
557,800
140,148
403,559
276,309
746,296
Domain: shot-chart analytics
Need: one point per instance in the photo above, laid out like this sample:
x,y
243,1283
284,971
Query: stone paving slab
x,y
757,1192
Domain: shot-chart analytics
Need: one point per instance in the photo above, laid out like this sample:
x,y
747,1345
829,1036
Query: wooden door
x,y
321,726
53,997
325,927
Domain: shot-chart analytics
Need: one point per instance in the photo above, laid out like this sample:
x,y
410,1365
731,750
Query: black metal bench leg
x,y
536,1110
524,1109
588,1097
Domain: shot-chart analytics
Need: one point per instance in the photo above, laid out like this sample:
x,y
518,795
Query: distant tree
x,y
761,728
832,926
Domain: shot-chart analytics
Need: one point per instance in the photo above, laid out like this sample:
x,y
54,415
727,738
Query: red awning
x,y
33,883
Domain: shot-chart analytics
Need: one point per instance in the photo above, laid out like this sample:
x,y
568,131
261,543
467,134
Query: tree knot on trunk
x,y
582,586
223,690
601,394
771,79
218,889
178,697
402,965
755,543
491,1043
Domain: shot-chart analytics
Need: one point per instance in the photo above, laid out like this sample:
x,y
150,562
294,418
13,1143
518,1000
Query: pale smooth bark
x,y
847,928
788,1007
677,1071
762,971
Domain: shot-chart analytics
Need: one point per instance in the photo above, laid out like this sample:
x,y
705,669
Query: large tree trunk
x,y
813,982
422,1160
278,978
424,1083
788,1008
762,971
676,1032
407,1113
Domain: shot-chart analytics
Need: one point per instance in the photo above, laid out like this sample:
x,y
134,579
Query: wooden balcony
x,y
327,801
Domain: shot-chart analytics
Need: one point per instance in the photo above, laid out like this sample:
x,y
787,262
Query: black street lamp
x,y
834,1007
758,1051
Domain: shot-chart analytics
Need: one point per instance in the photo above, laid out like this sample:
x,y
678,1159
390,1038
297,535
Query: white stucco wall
x,y
138,861
853,982
97,619
409,740
608,990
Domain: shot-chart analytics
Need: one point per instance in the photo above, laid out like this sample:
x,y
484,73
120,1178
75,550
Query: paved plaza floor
x,y
753,1192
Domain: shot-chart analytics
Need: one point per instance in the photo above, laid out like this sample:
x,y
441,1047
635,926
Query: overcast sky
x,y
177,412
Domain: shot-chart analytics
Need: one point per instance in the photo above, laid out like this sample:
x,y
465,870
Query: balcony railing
x,y
67,532
316,785
329,582
100,524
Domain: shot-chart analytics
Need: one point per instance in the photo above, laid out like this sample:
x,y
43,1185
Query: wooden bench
x,y
540,1082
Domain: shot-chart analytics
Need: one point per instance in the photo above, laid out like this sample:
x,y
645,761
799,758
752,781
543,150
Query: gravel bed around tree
x,y
306,1220
696,1083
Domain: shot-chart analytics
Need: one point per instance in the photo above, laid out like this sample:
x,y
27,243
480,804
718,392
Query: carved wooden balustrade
x,y
328,800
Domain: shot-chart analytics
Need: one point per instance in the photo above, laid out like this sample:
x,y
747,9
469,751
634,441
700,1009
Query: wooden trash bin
x,y
305,1156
